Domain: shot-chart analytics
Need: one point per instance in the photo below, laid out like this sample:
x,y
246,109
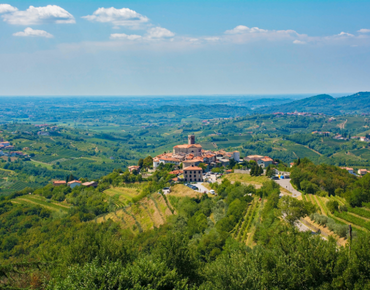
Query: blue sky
x,y
184,47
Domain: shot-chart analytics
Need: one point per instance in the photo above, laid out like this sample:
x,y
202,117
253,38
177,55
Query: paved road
x,y
285,183
201,187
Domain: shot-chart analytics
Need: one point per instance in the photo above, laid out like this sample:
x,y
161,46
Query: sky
x,y
158,47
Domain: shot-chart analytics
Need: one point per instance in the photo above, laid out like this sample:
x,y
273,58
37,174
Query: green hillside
x,y
357,103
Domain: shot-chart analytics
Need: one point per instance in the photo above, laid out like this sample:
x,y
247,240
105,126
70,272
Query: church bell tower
x,y
191,139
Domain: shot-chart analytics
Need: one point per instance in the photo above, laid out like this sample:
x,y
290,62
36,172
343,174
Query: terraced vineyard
x,y
123,195
150,212
42,201
242,231
359,218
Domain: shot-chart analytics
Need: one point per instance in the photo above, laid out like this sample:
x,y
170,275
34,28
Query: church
x,y
190,148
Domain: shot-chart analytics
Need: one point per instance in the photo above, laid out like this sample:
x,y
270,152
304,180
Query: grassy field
x,y
123,194
247,179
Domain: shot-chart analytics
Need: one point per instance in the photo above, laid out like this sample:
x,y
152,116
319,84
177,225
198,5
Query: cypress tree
x,y
252,172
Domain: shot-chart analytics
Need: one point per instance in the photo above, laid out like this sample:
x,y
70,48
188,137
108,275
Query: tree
x,y
293,209
298,161
260,170
140,162
203,166
148,162
332,205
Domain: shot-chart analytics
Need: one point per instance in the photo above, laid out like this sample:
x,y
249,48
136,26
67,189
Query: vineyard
x,y
243,231
358,218
149,213
42,201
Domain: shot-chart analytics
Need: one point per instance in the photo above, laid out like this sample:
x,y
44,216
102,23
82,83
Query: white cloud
x,y
241,29
212,38
6,8
159,32
363,30
35,33
244,34
118,17
39,15
299,42
123,36
345,34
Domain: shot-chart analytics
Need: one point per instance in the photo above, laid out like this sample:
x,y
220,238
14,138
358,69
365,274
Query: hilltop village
x,y
189,156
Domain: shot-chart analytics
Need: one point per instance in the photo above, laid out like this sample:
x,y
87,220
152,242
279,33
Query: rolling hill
x,y
357,103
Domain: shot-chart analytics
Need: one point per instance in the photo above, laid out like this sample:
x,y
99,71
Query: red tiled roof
x,y
193,168
175,172
74,181
59,182
170,159
266,158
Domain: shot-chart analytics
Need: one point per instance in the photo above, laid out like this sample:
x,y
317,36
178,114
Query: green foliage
x,y
293,209
339,229
332,205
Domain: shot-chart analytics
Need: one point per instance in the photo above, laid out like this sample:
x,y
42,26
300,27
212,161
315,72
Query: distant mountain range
x,y
357,103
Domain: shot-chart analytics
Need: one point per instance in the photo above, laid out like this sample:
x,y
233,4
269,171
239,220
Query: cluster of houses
x,y
74,183
191,155
360,172
6,146
361,138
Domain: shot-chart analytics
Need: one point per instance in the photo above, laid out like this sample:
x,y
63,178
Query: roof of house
x,y
266,158
255,156
88,183
188,146
347,168
175,172
193,168
169,159
59,182
74,181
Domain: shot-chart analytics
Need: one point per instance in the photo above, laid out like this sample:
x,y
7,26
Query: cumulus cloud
x,y
240,29
39,15
34,33
364,30
118,17
299,42
159,32
6,8
123,36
